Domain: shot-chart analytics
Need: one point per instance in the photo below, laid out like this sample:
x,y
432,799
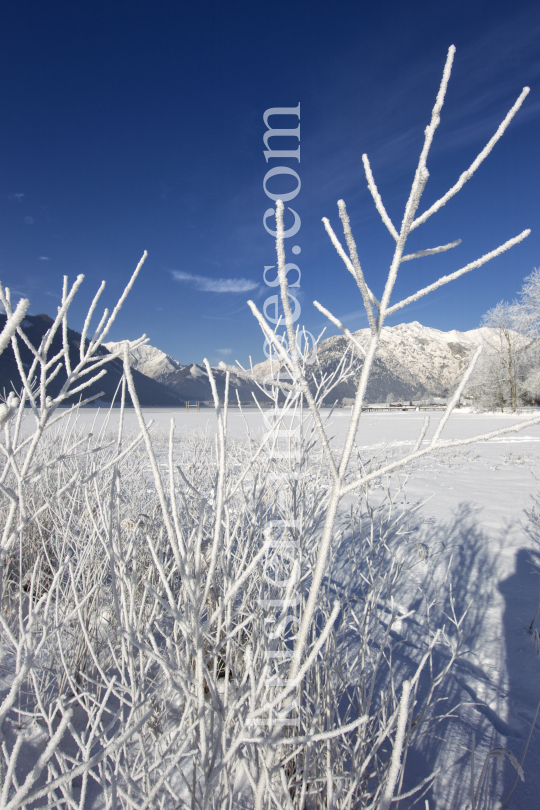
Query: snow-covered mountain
x,y
151,361
190,382
412,362
150,392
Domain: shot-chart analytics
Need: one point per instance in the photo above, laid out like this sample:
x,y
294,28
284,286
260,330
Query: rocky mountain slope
x,y
151,393
189,382
151,361
412,362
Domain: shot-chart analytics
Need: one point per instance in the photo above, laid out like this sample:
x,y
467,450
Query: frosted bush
x,y
202,623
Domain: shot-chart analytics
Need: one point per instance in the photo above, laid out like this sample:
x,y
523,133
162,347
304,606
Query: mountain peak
x,y
150,361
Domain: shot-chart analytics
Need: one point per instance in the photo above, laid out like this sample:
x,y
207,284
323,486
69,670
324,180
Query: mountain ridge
x,y
150,392
413,361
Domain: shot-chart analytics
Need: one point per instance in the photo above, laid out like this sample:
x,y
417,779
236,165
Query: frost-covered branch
x,y
348,263
12,323
341,327
430,251
467,269
475,164
377,198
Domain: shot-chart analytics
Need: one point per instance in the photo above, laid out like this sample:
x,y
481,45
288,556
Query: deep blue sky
x,y
138,125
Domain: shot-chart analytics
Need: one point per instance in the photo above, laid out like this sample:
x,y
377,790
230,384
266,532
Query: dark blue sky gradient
x,y
138,125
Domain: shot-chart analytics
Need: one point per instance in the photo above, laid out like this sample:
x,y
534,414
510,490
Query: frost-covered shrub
x,y
203,623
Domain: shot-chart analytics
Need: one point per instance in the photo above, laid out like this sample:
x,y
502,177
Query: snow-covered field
x,y
476,519
470,521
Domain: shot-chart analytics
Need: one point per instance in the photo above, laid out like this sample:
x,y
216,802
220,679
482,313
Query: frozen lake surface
x,y
375,428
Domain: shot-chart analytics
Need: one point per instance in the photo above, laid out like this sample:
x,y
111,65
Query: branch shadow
x,y
459,560
520,592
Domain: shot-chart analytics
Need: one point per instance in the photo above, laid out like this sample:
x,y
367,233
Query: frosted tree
x,y
527,322
527,317
508,371
498,380
531,386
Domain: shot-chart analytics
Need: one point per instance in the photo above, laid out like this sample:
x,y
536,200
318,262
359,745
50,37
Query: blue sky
x,y
139,125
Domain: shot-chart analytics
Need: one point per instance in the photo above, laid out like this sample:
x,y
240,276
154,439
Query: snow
x,y
195,371
150,361
475,518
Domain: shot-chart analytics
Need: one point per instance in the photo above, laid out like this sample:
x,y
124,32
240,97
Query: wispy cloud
x,y
44,259
389,116
224,352
218,285
29,220
18,197
354,315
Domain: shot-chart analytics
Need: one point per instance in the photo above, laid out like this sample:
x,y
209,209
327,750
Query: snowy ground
x,y
477,519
